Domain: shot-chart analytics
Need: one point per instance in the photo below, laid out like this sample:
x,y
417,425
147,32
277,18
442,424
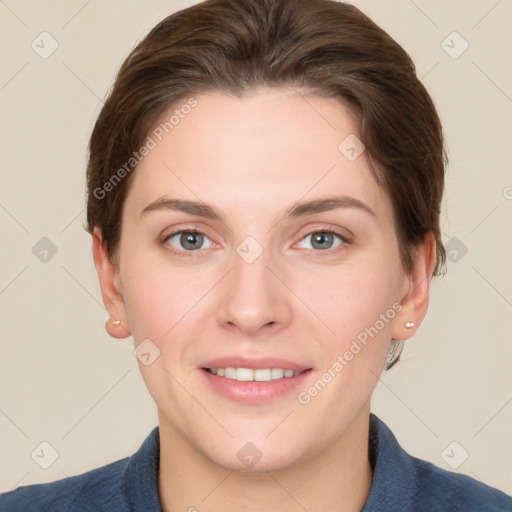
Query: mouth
x,y
254,381
254,375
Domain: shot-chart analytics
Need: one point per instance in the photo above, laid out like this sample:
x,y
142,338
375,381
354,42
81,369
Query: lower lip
x,y
254,392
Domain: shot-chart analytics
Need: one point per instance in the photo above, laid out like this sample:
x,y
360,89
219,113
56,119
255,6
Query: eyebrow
x,y
298,209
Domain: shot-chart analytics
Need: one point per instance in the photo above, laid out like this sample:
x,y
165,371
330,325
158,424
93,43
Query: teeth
x,y
244,374
230,373
277,373
262,375
248,374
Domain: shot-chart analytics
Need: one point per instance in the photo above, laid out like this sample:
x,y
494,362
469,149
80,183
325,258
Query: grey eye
x,y
188,240
322,240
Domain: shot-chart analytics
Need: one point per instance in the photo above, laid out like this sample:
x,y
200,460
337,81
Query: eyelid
x,y
344,234
187,228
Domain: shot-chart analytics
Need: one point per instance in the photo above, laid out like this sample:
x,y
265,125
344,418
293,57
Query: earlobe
x,y
116,329
108,274
415,302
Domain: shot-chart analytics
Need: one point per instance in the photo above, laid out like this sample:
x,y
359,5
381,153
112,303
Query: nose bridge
x,y
253,296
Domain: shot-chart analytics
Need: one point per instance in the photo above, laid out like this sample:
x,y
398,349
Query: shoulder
x,y
121,486
95,490
406,483
439,489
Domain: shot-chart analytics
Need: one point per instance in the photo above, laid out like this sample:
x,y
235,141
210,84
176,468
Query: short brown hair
x,y
330,48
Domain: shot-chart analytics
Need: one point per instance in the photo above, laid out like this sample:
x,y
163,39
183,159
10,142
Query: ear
x,y
108,274
415,293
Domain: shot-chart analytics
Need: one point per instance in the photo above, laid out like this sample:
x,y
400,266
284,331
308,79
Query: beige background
x,y
66,382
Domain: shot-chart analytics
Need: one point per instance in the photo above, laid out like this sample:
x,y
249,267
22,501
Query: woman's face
x,y
294,266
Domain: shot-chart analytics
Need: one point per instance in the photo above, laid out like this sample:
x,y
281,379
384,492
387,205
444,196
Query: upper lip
x,y
253,363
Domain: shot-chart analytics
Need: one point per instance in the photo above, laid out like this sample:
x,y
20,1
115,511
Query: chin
x,y
250,459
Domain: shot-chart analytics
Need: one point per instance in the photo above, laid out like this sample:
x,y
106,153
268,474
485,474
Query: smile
x,y
254,386
257,375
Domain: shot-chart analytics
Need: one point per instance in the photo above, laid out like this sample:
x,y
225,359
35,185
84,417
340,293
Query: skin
x,y
252,158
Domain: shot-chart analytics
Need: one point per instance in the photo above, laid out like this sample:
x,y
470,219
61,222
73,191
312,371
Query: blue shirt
x,y
401,483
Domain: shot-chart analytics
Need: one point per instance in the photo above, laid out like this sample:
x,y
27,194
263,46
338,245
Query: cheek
x,y
359,309
154,300
354,299
167,306
147,309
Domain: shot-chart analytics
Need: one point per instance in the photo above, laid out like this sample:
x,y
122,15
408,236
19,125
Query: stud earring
x,y
409,325
116,322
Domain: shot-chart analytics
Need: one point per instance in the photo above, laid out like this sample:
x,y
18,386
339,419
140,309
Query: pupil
x,y
321,239
190,240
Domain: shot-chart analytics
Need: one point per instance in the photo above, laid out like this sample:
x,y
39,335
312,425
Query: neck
x,y
337,479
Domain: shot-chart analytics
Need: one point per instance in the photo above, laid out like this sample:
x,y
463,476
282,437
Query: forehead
x,y
266,148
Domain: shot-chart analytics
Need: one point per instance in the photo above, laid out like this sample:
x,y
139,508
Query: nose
x,y
254,301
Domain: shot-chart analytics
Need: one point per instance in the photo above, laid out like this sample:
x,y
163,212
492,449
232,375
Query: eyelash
x,y
196,253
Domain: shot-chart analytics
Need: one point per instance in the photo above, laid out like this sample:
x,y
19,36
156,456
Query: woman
x,y
264,189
